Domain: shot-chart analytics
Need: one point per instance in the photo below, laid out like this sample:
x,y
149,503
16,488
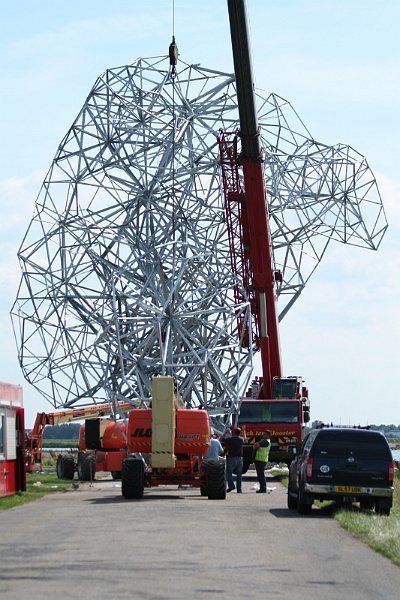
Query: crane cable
x,y
173,60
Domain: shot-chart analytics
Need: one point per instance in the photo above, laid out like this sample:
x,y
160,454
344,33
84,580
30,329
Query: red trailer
x,y
12,440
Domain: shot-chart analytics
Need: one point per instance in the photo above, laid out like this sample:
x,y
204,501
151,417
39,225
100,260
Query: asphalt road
x,y
174,544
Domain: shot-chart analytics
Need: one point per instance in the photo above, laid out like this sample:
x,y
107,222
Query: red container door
x,y
3,469
12,467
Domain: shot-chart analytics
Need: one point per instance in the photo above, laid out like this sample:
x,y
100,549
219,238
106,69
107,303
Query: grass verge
x,y
381,533
37,486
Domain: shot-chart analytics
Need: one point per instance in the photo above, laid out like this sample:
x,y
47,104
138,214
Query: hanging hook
x,y
173,56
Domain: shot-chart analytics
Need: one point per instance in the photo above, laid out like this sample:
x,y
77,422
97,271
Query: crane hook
x,y
173,56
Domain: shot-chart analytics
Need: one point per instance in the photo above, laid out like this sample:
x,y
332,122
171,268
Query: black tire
x,y
246,466
116,474
60,466
304,503
382,507
292,497
87,466
132,479
204,481
65,466
366,503
216,480
292,501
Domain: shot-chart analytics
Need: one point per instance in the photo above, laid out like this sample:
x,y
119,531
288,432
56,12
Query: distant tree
x,y
65,431
385,428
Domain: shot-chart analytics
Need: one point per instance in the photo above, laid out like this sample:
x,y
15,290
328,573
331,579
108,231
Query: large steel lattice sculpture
x,y
125,265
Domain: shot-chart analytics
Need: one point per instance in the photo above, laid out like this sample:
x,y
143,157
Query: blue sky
x,y
337,62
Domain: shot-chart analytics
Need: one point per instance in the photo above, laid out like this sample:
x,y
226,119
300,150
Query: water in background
x,y
396,454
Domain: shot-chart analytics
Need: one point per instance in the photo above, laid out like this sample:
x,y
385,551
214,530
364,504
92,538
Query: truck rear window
x,y
343,444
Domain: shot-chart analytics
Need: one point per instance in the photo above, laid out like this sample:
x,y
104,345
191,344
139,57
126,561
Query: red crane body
x,y
285,400
257,245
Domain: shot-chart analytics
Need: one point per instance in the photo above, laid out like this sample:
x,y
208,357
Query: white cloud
x,y
390,192
329,82
17,200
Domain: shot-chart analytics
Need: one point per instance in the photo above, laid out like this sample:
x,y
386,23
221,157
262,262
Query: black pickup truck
x,y
345,465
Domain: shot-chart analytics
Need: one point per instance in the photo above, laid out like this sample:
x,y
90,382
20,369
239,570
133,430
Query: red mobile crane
x,y
273,402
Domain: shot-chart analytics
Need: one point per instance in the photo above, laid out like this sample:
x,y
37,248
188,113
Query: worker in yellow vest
x,y
261,449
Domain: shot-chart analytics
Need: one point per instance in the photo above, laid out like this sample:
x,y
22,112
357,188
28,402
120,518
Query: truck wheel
x,y
382,507
87,466
132,479
366,503
216,480
292,499
65,467
304,503
116,474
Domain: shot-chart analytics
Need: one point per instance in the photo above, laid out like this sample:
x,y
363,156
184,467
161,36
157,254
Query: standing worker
x,y
215,450
262,448
234,460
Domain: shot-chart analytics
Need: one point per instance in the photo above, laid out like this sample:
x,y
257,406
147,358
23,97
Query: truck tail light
x,y
391,470
309,464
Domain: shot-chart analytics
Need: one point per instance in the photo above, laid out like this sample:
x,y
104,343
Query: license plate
x,y
349,489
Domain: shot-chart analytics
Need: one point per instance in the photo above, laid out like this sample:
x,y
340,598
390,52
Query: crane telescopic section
x,y
258,237
274,403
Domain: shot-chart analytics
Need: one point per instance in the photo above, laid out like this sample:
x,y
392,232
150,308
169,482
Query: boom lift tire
x,y
204,487
65,467
86,466
59,466
132,479
216,479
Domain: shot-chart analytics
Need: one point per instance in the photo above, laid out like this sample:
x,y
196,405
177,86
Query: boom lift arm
x,y
34,440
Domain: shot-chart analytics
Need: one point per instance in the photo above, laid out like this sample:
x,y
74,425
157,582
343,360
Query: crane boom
x,y
273,403
258,236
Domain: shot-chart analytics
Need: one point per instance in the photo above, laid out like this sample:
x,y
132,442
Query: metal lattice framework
x,y
125,265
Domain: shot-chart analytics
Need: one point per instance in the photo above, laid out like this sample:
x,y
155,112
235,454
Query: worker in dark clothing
x,y
234,460
261,449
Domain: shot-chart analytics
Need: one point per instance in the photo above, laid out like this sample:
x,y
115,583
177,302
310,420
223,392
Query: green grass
x,y
38,485
381,533
280,474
